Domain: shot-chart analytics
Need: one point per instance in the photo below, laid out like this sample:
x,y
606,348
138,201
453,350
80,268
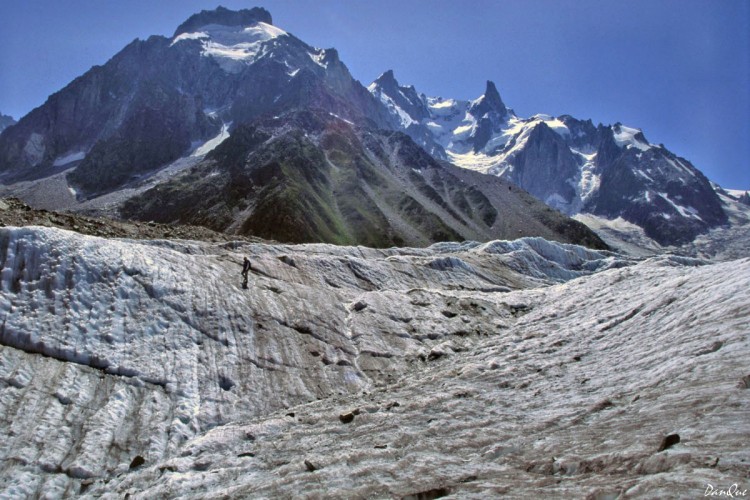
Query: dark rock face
x,y
113,111
544,167
156,132
744,198
308,176
672,205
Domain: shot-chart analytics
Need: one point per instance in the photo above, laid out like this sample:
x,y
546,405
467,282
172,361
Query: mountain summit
x,y
489,102
224,17
156,99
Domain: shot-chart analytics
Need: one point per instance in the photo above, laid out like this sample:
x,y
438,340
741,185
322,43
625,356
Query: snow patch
x,y
211,144
737,192
69,158
440,106
555,124
319,58
688,211
479,162
625,137
394,109
198,35
589,182
340,118
677,164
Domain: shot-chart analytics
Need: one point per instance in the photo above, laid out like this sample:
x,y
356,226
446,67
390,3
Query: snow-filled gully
x,y
146,368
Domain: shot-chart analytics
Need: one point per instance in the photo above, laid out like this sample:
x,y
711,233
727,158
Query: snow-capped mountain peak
x,y
232,46
628,137
403,103
224,17
570,164
441,125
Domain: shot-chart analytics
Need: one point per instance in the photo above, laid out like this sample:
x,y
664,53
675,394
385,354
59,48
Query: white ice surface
x,y
113,349
625,137
737,192
233,46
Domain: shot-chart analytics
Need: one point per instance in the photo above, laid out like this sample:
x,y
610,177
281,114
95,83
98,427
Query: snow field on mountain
x,y
212,143
231,45
625,137
393,108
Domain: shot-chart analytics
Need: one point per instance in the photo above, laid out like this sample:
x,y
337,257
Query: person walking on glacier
x,y
245,270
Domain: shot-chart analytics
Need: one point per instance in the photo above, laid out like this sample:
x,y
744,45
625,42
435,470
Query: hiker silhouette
x,y
245,270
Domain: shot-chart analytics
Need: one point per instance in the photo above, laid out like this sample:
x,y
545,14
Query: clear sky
x,y
678,69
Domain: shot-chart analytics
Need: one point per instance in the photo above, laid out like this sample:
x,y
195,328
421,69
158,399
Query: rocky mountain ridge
x,y
6,121
570,164
311,176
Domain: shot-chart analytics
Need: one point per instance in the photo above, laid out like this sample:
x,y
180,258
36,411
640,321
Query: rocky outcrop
x,y
670,199
6,121
544,167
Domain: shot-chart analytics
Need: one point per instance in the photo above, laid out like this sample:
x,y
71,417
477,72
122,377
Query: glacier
x,y
514,368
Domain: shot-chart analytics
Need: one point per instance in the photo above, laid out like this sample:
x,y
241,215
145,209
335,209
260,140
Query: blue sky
x,y
678,69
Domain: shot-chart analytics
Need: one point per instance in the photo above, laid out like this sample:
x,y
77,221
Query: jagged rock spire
x,y
387,80
490,101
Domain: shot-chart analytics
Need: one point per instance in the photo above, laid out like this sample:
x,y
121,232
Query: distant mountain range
x,y
570,164
238,125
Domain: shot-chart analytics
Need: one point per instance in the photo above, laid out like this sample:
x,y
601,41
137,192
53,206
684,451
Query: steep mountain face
x,y
157,98
311,176
570,164
6,121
